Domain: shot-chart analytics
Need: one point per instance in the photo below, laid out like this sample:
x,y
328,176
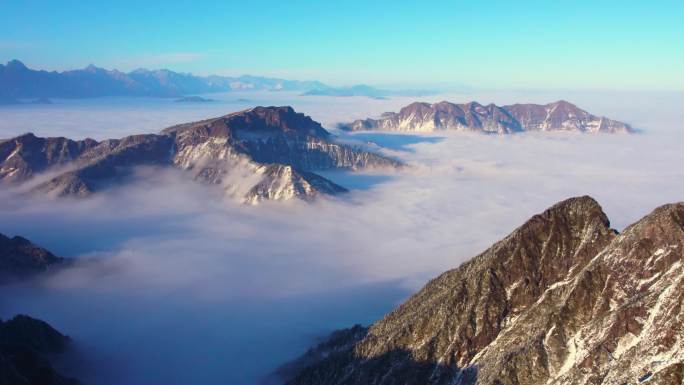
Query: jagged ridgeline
x,y
20,259
563,299
274,150
425,117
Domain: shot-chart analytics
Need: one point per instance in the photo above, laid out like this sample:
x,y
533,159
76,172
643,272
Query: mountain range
x,y
563,299
18,82
263,153
425,117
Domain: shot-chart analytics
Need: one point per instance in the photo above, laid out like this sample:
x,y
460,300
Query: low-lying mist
x,y
174,283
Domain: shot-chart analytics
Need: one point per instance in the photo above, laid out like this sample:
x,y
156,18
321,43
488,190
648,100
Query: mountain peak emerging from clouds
x,y
257,121
473,116
563,299
257,154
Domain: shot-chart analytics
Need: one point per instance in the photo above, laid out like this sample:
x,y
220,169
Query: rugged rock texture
x,y
284,182
27,347
270,135
561,300
19,258
24,156
424,117
108,161
256,154
562,116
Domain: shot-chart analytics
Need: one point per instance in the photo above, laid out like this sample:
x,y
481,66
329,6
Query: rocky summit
x,y
19,259
563,299
425,117
257,154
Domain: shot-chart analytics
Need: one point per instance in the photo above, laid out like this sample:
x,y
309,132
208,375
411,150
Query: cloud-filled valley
x,y
171,274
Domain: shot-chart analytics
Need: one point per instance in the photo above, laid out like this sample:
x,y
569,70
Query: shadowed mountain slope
x,y
19,259
27,347
563,299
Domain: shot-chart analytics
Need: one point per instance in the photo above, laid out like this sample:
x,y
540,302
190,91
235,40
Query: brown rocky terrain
x,y
563,299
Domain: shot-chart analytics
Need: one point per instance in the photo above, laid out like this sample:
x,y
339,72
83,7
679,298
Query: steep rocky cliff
x,y
563,299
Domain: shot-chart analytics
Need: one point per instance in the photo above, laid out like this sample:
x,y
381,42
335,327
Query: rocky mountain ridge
x,y
17,81
564,299
260,153
425,117
19,259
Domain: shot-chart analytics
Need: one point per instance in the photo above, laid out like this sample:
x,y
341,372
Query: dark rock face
x,y
561,300
27,346
19,258
424,117
265,141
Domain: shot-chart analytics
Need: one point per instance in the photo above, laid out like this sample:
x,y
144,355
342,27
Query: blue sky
x,y
553,44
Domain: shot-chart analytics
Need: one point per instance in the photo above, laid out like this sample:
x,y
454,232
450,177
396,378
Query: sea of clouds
x,y
175,283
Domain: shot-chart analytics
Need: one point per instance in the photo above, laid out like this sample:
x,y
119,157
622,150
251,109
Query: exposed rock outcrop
x,y
563,299
20,259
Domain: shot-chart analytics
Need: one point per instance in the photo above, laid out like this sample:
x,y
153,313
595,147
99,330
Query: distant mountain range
x,y
563,299
364,90
18,82
425,117
264,153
